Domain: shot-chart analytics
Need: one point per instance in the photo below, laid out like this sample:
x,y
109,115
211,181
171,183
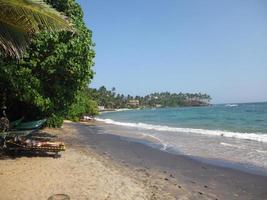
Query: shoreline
x,y
180,170
209,132
155,143
100,165
247,155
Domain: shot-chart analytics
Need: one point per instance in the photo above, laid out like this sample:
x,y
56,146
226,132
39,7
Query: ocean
x,y
231,135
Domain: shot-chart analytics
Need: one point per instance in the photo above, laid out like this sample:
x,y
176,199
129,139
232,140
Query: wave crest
x,y
248,136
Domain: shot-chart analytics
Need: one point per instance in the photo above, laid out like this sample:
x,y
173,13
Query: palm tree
x,y
19,19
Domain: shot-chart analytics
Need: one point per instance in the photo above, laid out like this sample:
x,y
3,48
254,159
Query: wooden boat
x,y
26,143
30,140
30,125
14,124
27,137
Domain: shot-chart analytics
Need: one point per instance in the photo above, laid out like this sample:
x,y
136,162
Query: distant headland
x,y
110,99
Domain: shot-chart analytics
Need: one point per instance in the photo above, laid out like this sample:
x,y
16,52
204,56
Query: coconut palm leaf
x,y
13,40
21,18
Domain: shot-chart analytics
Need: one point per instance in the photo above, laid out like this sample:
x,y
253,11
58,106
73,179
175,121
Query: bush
x,y
83,105
91,108
54,121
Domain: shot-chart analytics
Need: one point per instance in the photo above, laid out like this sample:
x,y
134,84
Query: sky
x,y
209,46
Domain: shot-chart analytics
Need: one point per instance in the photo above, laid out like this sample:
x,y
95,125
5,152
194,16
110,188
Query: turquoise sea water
x,y
241,118
231,132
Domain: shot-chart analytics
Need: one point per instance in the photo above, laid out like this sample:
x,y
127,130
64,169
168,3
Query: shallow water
x,y
235,133
230,118
245,155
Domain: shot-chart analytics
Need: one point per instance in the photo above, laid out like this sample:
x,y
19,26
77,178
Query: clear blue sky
x,y
211,46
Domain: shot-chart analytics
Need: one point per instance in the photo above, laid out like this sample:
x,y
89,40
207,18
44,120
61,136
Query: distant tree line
x,y
112,100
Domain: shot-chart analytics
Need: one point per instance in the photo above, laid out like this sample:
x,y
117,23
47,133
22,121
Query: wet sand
x,y
100,165
180,176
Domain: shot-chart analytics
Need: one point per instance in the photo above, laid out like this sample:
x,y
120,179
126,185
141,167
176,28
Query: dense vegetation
x,y
111,100
49,80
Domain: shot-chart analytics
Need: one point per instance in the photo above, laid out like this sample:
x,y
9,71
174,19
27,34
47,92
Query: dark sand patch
x,y
174,174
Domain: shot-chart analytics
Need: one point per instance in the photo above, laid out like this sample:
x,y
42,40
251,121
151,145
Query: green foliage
x,y
82,105
56,66
111,100
54,121
92,108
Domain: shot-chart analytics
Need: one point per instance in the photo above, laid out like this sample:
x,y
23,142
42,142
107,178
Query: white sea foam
x,y
230,145
260,137
231,105
260,151
115,110
123,109
164,145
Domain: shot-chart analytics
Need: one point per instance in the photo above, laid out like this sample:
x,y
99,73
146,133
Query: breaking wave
x,y
260,137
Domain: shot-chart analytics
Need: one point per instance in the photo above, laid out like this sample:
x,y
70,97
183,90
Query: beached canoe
x,y
30,125
15,123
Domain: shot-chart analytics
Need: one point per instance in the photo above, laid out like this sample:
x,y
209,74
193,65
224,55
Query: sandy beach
x,y
100,165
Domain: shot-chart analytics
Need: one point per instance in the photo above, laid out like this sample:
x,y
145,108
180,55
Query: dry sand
x,y
77,173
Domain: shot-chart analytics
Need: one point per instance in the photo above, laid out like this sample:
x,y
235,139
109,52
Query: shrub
x,y
54,121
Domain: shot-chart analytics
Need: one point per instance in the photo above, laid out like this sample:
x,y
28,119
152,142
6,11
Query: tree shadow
x,y
11,155
4,155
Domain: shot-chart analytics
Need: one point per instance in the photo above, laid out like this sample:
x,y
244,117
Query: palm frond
x,y
20,18
13,40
